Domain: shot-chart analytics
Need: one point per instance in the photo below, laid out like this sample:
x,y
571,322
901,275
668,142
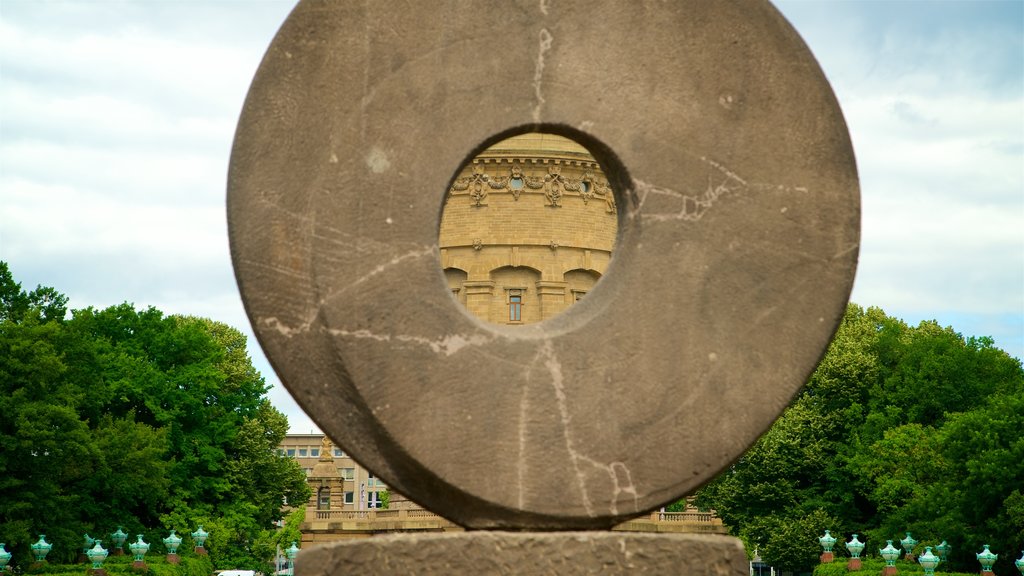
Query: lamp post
x,y
119,537
139,549
944,550
908,544
928,561
827,541
291,552
889,554
855,547
987,559
200,536
5,557
172,542
41,548
97,554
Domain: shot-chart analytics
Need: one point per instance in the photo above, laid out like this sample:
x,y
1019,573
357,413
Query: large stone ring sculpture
x,y
739,213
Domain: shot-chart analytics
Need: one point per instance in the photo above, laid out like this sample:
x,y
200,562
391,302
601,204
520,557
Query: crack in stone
x,y
538,72
694,206
524,410
555,370
622,482
448,345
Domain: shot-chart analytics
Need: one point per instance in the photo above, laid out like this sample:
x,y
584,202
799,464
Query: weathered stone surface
x,y
738,210
562,553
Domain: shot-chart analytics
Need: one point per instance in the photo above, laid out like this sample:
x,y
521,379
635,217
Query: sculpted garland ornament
x,y
553,185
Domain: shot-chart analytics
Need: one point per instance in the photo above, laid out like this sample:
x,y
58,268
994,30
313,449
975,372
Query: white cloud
x,y
116,120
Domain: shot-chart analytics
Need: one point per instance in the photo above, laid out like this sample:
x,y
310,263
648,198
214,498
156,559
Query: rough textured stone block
x,y
527,553
738,207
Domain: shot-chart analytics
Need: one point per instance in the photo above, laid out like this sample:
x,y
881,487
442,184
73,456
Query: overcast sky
x,y
116,121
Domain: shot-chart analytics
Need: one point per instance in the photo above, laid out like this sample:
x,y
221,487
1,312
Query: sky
x,y
117,117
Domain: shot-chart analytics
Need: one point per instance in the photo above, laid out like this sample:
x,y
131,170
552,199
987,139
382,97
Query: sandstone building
x,y
528,228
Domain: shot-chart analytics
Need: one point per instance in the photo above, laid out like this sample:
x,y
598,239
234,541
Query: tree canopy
x,y
899,429
130,417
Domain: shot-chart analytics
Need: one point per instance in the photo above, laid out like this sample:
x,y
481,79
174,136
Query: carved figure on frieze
x,y
602,190
555,182
478,194
474,183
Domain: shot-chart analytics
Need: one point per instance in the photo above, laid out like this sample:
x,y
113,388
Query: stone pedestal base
x,y
889,571
117,552
910,558
826,558
139,566
853,565
563,553
96,572
173,559
200,551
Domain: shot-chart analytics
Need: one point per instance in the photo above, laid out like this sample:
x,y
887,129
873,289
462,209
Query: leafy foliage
x,y
132,418
899,428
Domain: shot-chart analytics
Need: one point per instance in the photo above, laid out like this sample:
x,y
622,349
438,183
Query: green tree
x,y
122,416
899,428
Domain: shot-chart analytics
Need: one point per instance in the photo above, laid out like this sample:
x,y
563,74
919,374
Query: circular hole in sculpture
x,y
528,228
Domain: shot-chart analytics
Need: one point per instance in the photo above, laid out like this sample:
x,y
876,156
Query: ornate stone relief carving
x,y
515,181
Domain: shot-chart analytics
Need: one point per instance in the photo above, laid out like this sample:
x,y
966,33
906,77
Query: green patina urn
x,y
138,548
827,541
889,553
97,554
944,550
41,548
200,536
87,544
928,561
855,547
987,559
908,544
1018,563
5,557
172,542
119,537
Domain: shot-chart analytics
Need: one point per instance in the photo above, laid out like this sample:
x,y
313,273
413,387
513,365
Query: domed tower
x,y
528,228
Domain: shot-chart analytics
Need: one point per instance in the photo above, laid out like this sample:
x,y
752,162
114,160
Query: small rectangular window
x,y
338,453
350,497
291,452
303,452
515,308
314,452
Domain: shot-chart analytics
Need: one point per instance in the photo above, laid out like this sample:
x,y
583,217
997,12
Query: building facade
x,y
528,228
338,482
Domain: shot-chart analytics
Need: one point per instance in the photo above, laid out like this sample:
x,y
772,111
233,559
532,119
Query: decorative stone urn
x,y
41,548
118,537
944,549
5,557
827,541
172,542
139,549
1018,563
855,547
200,536
908,544
97,554
928,561
987,559
889,554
